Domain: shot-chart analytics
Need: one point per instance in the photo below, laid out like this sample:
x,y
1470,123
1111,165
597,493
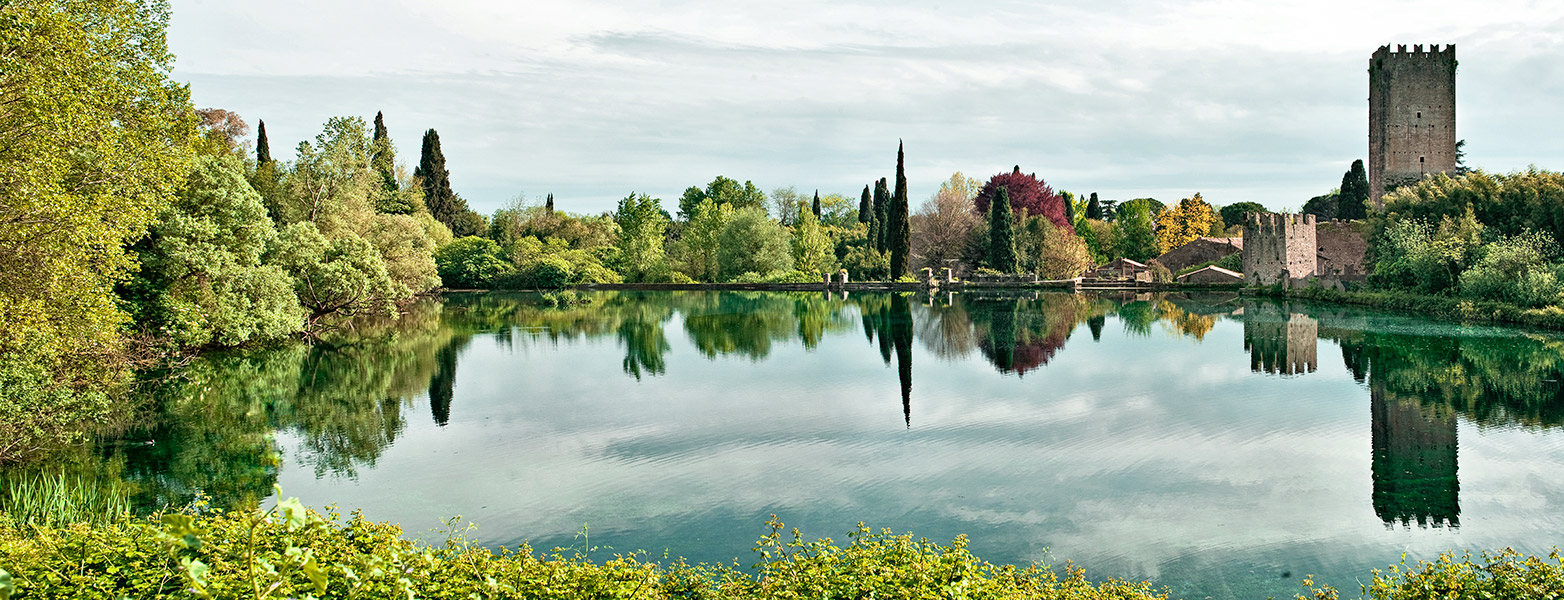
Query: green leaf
x,y
6,586
316,574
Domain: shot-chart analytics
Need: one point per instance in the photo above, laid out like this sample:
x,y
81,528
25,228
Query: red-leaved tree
x,y
1027,193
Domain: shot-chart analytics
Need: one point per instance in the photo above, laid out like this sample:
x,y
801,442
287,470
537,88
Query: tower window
x,y
1420,160
1419,114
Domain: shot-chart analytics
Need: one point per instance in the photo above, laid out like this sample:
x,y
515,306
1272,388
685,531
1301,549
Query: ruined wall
x,y
1199,251
1411,115
1278,243
1341,249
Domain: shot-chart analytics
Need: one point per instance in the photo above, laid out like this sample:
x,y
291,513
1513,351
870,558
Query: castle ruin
x,y
1411,115
1278,248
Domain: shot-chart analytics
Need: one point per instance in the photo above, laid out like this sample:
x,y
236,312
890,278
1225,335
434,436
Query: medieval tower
x,y
1411,115
1279,248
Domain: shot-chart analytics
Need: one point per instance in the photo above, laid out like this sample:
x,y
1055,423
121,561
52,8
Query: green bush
x,y
471,262
1505,574
794,276
866,264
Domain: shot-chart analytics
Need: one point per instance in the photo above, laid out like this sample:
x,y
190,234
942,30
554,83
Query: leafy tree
x,y
336,278
1050,252
439,198
882,205
1323,206
224,129
723,191
263,148
865,207
753,242
1069,206
703,238
642,224
1094,208
1460,159
816,207
97,139
900,232
1509,204
783,203
1353,203
944,223
1137,239
471,262
1027,193
1233,214
202,282
1188,221
1001,233
811,246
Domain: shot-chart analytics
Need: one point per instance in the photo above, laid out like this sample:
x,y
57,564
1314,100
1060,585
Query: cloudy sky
x,y
593,99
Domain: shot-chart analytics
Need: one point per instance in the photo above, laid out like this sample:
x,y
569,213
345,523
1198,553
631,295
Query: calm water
x,y
1221,446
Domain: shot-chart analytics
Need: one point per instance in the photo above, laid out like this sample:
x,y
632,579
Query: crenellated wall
x,y
1277,244
1411,115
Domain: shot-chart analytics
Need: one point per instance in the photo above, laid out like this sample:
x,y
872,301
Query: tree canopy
x,y
1027,193
1187,221
722,190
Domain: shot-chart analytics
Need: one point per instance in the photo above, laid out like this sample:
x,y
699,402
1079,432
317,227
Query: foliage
x,y
723,192
1324,206
1001,234
1159,271
440,199
898,239
335,278
263,148
697,252
97,140
1502,574
1353,203
811,246
1050,252
471,262
642,224
1187,221
1516,269
202,281
1094,208
866,264
1233,214
551,263
42,408
1133,227
942,226
865,207
753,242
39,498
1028,194
383,160
882,207
1508,204
1413,255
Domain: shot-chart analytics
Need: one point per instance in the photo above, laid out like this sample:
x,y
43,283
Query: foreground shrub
x,y
291,552
1506,574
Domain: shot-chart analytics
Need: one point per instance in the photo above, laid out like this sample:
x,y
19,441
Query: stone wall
x,y
1411,115
1275,244
1200,251
1341,249
1211,275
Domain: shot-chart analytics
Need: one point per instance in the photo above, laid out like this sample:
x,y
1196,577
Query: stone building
x,y
1411,115
1278,248
1200,251
1342,246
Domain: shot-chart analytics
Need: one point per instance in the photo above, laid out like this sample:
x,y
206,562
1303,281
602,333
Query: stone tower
x,y
1411,115
1278,246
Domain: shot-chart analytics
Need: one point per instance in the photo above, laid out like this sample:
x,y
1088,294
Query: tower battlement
x,y
1411,115
1278,247
1417,51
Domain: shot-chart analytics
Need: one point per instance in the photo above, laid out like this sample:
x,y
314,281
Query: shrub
x,y
471,262
866,264
1159,272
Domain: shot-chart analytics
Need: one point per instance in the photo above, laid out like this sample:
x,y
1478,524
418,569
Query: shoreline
x,y
1442,308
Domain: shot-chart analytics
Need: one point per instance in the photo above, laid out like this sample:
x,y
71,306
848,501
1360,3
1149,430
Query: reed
x,y
50,499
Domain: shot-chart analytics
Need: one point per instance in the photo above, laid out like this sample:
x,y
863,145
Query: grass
x,y
53,499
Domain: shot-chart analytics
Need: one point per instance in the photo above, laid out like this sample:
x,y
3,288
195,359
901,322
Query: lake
x,y
1218,445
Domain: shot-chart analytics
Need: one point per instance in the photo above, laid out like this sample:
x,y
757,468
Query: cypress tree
x,y
1354,193
882,201
382,156
263,149
443,203
1001,234
1094,208
865,207
549,204
1069,206
816,208
900,230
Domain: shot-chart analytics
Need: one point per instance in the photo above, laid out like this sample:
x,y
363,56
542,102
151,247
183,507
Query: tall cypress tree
x,y
1094,208
549,204
1354,193
443,203
816,208
1001,234
900,230
383,156
882,204
865,207
263,149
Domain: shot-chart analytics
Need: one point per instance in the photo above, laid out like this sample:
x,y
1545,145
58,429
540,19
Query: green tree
x,y
383,154
1353,203
722,191
202,282
471,262
900,230
1001,234
97,139
1233,214
1069,205
642,225
1323,206
439,198
263,148
703,238
753,242
1094,208
815,208
1187,221
865,207
336,278
1137,237
811,246
882,206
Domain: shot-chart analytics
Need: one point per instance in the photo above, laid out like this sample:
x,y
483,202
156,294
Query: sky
x,y
591,100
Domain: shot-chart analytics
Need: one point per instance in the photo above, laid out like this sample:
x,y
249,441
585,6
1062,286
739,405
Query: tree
x,y
1460,159
1028,194
1233,214
811,246
1094,208
723,191
900,230
383,154
942,226
1354,193
337,278
753,242
1187,221
783,203
471,262
97,139
882,203
865,207
549,204
263,148
439,198
1069,206
1001,233
703,238
1136,238
816,207
202,281
1050,252
642,225
1323,206
226,128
